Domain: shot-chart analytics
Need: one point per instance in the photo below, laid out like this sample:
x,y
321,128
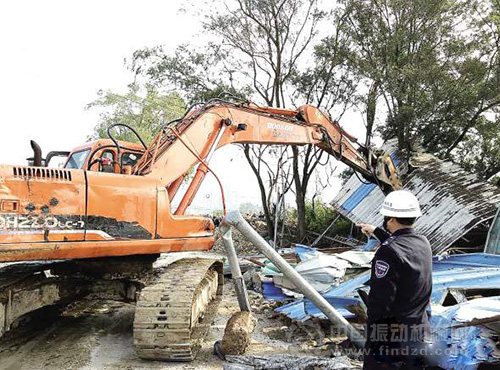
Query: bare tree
x,y
262,51
269,162
271,37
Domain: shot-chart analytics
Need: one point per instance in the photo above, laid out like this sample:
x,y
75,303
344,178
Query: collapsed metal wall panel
x,y
493,241
453,201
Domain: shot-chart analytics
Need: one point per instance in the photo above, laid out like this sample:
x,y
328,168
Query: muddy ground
x,y
96,333
101,338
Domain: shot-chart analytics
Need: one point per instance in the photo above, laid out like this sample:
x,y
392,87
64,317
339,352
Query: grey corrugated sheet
x,y
493,241
453,202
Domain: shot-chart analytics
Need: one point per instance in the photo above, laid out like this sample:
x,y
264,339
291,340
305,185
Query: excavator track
x,y
174,312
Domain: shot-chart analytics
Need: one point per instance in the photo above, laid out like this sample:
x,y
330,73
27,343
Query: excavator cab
x,y
112,199
103,156
100,155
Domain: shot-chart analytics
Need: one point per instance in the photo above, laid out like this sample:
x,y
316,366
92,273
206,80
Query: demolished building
x,y
458,216
457,208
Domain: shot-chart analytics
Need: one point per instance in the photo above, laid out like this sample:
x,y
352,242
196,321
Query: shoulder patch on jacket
x,y
389,240
381,268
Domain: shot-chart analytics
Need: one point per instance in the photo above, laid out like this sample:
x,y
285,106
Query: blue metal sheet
x,y
395,159
304,252
345,306
462,272
370,245
359,194
294,310
304,309
453,202
466,347
469,260
463,279
349,287
272,292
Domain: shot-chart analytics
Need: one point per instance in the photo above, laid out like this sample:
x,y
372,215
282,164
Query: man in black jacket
x,y
400,288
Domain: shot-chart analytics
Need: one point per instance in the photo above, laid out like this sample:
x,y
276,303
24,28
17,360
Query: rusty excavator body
x,y
105,217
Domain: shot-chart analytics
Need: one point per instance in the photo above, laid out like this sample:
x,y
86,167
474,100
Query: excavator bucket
x,y
387,173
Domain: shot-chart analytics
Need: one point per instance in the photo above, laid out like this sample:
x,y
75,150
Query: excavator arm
x,y
193,139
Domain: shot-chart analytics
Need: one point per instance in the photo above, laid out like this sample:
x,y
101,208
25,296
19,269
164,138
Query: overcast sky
x,y
55,57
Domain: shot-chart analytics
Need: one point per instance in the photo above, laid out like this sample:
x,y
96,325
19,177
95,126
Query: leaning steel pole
x,y
236,220
232,258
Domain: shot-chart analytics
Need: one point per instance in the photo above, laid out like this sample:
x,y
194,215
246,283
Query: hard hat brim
x,y
401,214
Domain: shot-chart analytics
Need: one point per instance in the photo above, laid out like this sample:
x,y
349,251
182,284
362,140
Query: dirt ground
x,y
101,338
97,334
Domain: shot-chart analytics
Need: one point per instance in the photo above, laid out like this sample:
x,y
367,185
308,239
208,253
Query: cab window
x,y
108,154
108,166
130,159
77,159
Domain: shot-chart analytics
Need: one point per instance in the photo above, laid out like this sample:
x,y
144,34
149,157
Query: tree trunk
x,y
371,108
300,196
460,137
263,193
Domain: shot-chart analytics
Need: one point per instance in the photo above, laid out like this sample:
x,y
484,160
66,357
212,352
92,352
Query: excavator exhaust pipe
x,y
37,154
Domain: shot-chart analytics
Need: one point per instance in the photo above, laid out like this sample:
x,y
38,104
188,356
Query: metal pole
x,y
324,232
236,220
201,172
239,282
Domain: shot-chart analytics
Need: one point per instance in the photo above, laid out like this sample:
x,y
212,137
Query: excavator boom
x,y
219,123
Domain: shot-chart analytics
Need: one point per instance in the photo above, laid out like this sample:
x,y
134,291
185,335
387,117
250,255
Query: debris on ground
x,y
465,316
242,245
287,330
283,362
463,330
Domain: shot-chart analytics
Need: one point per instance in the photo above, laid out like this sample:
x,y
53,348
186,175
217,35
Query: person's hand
x,y
367,229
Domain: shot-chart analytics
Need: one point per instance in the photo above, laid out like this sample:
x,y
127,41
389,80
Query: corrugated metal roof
x,y
467,260
462,347
453,201
272,292
482,278
303,309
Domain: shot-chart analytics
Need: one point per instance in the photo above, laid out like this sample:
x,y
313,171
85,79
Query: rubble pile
x,y
242,245
278,362
465,315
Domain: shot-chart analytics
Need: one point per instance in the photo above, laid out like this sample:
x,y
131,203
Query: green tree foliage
x,y
319,216
198,75
434,64
143,109
480,150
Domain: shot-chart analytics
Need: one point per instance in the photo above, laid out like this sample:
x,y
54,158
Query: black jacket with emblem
x,y
401,281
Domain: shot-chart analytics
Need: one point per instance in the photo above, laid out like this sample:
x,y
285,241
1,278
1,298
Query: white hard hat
x,y
402,204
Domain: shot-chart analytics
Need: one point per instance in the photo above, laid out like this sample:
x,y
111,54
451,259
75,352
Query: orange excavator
x,y
107,215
